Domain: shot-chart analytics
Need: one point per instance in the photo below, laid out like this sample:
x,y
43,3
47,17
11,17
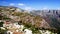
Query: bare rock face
x,y
44,24
17,32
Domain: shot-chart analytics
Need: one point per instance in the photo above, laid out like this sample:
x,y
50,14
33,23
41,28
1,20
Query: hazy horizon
x,y
32,4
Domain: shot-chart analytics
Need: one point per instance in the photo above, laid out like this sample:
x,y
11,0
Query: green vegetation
x,y
2,31
1,24
32,27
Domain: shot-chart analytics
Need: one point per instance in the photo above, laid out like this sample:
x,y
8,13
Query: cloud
x,y
58,8
28,8
18,4
11,4
45,7
21,4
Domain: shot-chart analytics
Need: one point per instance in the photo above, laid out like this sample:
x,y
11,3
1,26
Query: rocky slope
x,y
15,14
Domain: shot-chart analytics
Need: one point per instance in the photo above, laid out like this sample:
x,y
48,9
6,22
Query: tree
x,y
1,24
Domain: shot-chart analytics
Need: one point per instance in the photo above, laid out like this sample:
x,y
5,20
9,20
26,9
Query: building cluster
x,y
14,28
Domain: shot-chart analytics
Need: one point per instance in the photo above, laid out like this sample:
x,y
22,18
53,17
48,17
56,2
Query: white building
x,y
9,32
27,31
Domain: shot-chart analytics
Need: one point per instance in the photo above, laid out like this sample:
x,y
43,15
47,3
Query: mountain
x,y
38,19
50,16
18,15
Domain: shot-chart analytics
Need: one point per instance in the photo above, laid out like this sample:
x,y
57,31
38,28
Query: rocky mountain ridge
x,y
17,15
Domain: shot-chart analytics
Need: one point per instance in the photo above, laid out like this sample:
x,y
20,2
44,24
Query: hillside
x,y
30,21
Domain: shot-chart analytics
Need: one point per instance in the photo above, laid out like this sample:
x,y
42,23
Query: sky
x,y
32,4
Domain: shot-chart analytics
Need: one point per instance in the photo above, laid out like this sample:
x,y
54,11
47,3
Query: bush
x,y
1,24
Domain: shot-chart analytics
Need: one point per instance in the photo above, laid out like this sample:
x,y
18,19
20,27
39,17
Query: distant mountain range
x,y
51,16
